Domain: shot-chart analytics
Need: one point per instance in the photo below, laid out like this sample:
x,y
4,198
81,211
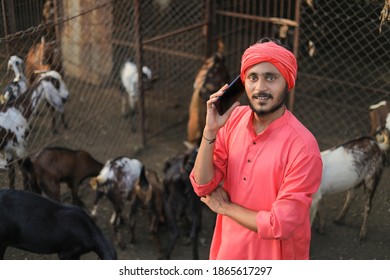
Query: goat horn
x,y
40,71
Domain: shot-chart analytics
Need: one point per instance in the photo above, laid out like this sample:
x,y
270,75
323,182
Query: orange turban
x,y
280,57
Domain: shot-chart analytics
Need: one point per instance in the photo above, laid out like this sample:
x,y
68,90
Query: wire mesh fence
x,y
341,55
94,39
342,58
347,71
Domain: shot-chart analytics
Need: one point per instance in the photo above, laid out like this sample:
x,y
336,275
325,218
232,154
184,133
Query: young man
x,y
269,165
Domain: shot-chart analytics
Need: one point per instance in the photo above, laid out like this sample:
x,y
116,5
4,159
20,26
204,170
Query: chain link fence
x,y
342,60
347,70
94,39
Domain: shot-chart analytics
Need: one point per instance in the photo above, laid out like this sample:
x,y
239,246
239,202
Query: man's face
x,y
266,88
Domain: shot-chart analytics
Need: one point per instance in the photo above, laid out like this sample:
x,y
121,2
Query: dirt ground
x,y
340,242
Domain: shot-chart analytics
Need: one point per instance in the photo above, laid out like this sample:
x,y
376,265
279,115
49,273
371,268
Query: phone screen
x,y
230,95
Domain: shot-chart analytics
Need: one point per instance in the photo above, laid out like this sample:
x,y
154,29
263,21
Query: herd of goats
x,y
42,224
71,231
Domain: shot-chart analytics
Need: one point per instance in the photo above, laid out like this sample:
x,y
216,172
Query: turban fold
x,y
280,57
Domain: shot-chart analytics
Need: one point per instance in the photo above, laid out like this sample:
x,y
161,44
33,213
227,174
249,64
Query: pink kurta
x,y
274,173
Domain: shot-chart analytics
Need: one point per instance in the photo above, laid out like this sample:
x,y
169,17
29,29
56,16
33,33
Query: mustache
x,y
262,94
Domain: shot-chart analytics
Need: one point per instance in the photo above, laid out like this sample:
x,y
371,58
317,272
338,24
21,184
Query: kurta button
x,y
244,178
249,160
254,143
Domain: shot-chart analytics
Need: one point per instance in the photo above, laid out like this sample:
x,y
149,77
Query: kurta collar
x,y
273,125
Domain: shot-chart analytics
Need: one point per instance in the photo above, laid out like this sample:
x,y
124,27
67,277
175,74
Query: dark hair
x,y
275,40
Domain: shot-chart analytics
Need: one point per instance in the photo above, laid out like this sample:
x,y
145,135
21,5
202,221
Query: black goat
x,y
55,165
179,196
37,224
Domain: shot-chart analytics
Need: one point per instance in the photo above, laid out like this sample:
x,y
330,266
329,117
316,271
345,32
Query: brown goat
x,y
378,114
53,166
40,58
35,60
147,194
211,77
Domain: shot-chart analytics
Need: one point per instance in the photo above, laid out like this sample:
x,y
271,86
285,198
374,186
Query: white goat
x,y
60,95
116,180
56,92
346,167
16,116
19,84
129,79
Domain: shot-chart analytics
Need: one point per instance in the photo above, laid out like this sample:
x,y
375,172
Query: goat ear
x,y
52,96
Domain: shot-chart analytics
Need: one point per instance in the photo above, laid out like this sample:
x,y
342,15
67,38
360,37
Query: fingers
x,y
214,97
217,94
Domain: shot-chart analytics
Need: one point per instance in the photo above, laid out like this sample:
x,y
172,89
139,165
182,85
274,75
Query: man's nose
x,y
260,85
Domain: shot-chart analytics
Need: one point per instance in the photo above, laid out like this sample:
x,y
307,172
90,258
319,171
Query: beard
x,y
263,112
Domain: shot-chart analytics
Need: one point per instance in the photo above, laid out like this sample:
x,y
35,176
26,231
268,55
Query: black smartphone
x,y
230,95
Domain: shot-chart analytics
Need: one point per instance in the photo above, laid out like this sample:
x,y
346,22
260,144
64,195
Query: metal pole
x,y
209,28
5,24
295,49
58,28
139,62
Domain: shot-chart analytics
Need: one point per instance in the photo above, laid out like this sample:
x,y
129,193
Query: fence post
x,y
3,6
210,19
139,62
295,49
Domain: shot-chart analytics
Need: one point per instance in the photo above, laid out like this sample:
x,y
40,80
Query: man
x,y
269,164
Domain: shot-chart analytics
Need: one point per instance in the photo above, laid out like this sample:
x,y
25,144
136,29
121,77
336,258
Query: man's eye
x,y
252,77
270,77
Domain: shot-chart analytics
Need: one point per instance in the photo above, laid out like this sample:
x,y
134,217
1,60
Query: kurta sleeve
x,y
219,161
291,207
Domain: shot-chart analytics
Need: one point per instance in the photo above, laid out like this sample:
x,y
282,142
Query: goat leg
x,y
346,206
171,219
196,214
26,183
98,197
124,106
53,124
65,124
154,227
11,175
371,185
75,194
132,220
115,224
321,220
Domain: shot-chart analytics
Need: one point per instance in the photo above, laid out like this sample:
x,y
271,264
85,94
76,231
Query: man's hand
x,y
217,200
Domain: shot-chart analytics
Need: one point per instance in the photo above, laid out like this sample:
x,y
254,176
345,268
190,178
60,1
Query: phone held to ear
x,y
230,95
